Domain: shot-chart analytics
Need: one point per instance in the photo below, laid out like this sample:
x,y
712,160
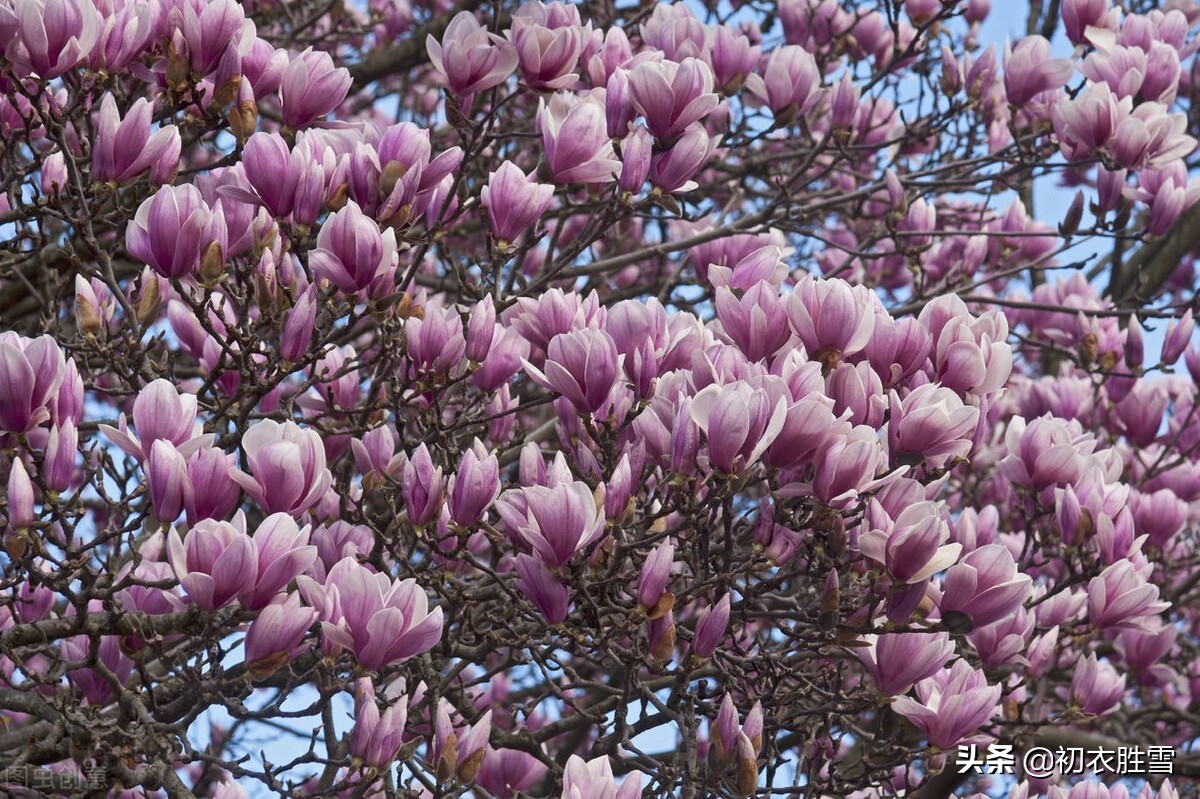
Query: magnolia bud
x,y
227,91
664,605
1088,349
177,65
468,769
662,638
243,117
1134,348
212,264
1070,224
337,199
87,314
831,600
390,177
20,497
747,766
448,759
149,299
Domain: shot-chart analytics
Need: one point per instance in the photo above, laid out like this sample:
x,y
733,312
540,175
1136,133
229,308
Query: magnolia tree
x,y
600,401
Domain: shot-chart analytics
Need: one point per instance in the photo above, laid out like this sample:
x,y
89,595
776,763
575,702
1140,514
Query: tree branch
x,y
1139,279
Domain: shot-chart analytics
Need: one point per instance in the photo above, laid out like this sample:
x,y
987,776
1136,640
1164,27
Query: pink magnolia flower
x,y
832,318
31,373
712,624
169,230
287,467
52,36
311,87
575,141
351,251
807,425
19,497
124,148
932,424
1122,597
167,481
847,464
539,319
952,705
1045,452
671,172
553,522
126,32
1005,643
474,486
655,575
507,771
211,29
283,553
160,412
789,83
378,736
985,587
380,620
543,588
1096,688
912,547
436,343
1029,70
548,41
671,96
674,29
514,202
1079,15
422,487
739,423
971,354
469,58
582,366
277,634
213,564
733,58
593,779
897,661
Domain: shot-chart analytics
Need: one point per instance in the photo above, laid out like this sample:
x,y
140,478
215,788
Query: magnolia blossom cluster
x,y
540,382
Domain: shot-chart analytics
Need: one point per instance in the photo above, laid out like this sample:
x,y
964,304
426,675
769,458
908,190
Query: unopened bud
x,y
747,766
831,601
895,192
392,173
663,647
1135,351
177,66
227,91
243,119
150,298
20,497
448,759
87,315
469,768
212,264
1089,348
15,543
1070,224
664,605
406,309
265,667
337,200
